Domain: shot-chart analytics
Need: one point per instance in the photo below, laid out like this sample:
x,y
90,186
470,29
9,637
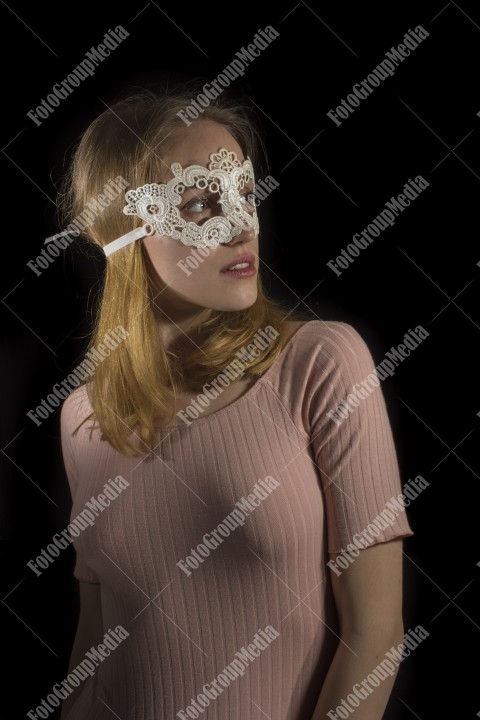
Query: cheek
x,y
176,263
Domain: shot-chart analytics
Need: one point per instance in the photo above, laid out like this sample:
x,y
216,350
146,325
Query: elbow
x,y
380,635
399,632
393,636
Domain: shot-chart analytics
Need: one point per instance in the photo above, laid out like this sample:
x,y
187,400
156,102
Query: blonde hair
x,y
135,386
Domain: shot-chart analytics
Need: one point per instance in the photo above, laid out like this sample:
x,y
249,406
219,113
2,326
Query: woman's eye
x,y
198,205
248,199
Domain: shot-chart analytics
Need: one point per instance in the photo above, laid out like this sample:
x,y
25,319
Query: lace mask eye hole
x,y
195,206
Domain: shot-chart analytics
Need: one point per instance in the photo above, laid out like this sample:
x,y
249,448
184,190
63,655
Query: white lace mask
x,y
158,204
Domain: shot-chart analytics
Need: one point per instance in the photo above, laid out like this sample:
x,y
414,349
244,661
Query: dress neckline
x,y
245,396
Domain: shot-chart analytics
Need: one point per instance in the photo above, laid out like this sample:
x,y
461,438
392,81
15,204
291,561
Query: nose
x,y
248,234
244,237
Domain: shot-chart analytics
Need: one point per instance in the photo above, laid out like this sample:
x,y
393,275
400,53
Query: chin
x,y
234,304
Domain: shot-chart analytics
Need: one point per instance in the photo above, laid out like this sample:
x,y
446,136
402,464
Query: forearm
x,y
349,671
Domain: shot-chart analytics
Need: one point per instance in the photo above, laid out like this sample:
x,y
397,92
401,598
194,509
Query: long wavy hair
x,y
134,388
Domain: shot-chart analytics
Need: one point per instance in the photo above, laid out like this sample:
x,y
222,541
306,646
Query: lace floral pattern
x,y
226,176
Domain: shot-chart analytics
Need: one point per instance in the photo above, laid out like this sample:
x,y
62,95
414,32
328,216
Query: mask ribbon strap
x,y
126,239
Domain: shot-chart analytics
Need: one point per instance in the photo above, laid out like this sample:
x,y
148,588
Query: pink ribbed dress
x,y
266,578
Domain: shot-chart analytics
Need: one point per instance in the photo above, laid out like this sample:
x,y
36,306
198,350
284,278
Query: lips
x,y
243,260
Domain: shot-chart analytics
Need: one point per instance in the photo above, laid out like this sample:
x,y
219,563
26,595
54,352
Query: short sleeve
x,y
68,422
353,444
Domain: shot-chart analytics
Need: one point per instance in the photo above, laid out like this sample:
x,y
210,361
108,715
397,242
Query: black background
x,y
333,182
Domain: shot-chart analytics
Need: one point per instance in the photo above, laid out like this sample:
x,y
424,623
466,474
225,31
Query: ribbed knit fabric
x,y
330,481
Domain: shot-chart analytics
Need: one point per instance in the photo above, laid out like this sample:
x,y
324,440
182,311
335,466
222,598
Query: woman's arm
x,y
368,596
89,632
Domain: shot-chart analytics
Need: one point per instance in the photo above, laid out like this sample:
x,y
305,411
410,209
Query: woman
x,y
235,484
